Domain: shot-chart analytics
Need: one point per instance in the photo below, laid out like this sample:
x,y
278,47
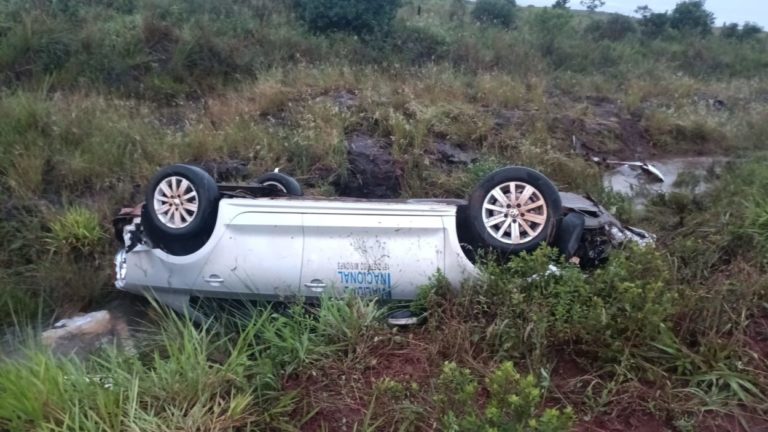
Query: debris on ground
x,y
84,334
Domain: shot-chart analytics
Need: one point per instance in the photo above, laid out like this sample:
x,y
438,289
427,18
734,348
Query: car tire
x,y
180,209
512,224
282,182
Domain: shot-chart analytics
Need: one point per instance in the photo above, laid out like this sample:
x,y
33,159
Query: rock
x,y
84,334
451,154
373,172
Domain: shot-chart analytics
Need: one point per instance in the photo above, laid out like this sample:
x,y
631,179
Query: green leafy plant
x,y
77,230
692,16
495,12
615,28
512,404
360,17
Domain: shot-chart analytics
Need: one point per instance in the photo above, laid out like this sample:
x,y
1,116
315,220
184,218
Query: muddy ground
x,y
600,129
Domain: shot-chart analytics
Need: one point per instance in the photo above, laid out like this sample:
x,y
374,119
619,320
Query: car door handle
x,y
315,285
214,279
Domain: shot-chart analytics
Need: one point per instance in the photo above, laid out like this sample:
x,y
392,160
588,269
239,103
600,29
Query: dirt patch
x,y
373,172
607,130
741,422
635,421
757,337
343,392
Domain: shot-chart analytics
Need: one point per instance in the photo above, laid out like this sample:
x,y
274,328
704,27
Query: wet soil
x,y
605,129
340,394
373,172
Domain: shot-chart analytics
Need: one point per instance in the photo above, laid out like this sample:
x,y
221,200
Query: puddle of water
x,y
691,174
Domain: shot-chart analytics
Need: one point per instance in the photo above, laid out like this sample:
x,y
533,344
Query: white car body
x,y
230,241
273,248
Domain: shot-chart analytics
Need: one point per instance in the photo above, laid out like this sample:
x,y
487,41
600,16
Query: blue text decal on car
x,y
367,283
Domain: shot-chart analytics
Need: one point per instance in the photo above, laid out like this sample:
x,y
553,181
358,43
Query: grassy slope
x,y
96,98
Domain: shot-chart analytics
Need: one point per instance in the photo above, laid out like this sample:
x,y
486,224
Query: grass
x,y
97,96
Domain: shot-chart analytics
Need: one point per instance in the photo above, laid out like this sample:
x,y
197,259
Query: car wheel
x,y
514,210
282,182
182,202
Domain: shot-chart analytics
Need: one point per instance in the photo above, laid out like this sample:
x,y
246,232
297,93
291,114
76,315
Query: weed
x,y
78,230
512,402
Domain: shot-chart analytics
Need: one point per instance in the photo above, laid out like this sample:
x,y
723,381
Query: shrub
x,y
496,12
511,404
359,17
420,44
615,28
730,31
37,44
552,30
691,16
529,307
750,31
654,25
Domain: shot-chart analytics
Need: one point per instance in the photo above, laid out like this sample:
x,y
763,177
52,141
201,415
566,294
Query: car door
x,y
258,255
382,254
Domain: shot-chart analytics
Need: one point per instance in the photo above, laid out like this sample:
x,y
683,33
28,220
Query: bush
x,y
363,18
615,28
654,25
496,12
420,44
691,16
730,31
510,406
528,308
750,31
552,31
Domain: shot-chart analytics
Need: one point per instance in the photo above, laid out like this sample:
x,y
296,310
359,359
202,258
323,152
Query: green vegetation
x,y
97,95
363,18
495,12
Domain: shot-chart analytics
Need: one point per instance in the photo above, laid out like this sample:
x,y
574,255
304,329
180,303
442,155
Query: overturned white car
x,y
194,238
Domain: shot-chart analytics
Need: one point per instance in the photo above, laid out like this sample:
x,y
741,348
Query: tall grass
x,y
98,95
223,375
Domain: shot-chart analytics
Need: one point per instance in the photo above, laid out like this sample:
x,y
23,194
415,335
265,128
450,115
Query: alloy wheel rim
x,y
176,202
514,212
276,185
